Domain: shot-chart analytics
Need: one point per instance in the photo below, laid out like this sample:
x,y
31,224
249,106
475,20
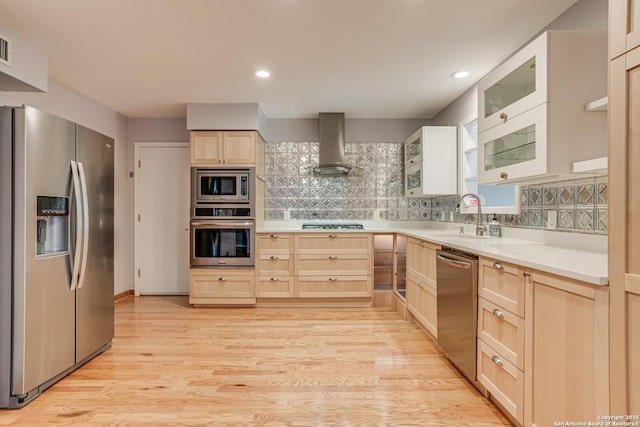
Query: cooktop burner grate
x,y
332,226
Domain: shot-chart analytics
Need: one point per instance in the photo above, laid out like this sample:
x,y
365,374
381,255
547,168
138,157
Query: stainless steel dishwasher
x,y
457,290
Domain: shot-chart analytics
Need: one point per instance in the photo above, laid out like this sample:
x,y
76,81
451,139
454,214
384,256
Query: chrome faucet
x,y
480,228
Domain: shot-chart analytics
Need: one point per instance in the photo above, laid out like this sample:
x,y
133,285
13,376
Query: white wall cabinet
x,y
532,123
430,161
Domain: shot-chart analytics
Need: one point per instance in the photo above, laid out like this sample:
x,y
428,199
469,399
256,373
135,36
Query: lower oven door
x,y
222,243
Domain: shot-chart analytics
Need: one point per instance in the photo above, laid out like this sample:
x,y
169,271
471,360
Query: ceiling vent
x,y
5,50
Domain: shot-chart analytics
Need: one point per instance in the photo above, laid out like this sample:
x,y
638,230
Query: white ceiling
x,y
367,58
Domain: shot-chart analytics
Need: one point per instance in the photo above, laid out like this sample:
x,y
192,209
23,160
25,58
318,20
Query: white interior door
x,y
161,218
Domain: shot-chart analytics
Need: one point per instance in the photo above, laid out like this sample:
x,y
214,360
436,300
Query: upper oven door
x,y
227,243
211,185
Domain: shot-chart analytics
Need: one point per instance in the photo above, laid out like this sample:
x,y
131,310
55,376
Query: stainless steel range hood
x,y
331,138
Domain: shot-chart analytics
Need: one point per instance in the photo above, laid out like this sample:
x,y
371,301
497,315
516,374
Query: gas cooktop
x,y
332,226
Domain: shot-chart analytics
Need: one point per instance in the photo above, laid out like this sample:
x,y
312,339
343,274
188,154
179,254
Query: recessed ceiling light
x,y
460,74
263,74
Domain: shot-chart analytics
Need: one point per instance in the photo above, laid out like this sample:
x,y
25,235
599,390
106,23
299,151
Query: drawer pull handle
x,y
333,236
421,284
421,243
526,274
498,266
273,236
497,360
503,116
222,279
504,175
274,279
333,257
274,257
498,313
333,279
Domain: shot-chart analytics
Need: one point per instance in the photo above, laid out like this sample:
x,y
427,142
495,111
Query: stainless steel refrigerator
x,y
56,250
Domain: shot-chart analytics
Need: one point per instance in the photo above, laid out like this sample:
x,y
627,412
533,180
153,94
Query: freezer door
x,y
44,304
96,288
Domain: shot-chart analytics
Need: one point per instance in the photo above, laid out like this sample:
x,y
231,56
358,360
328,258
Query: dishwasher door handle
x,y
454,262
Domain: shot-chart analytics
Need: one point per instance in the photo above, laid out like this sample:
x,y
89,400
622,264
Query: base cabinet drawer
x,y
502,330
315,265
333,243
274,243
221,287
333,286
502,379
275,287
502,283
273,265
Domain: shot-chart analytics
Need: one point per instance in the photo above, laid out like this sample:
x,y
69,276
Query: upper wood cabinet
x,y
624,26
216,148
624,207
531,115
430,161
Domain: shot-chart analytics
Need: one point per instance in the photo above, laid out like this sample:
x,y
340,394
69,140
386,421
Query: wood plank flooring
x,y
173,365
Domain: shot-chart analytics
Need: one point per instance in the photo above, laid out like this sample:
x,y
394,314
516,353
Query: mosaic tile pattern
x,y
581,205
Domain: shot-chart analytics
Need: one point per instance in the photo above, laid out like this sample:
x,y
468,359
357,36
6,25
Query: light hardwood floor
x,y
173,365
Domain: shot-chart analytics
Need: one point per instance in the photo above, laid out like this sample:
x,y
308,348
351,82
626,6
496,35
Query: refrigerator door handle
x,y
75,268
85,223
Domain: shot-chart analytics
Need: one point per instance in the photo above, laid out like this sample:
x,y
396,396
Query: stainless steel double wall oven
x,y
222,217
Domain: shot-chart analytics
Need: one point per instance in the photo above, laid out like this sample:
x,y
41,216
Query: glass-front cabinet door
x,y
516,86
413,150
413,181
515,150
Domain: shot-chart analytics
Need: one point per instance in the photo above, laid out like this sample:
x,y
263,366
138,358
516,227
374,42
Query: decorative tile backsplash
x,y
581,205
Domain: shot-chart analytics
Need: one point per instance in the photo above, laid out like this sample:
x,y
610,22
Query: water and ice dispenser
x,y
52,225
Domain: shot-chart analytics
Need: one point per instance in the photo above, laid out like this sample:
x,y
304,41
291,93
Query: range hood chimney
x,y
331,138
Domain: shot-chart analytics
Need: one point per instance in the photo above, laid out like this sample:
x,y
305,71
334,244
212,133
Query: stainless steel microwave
x,y
209,185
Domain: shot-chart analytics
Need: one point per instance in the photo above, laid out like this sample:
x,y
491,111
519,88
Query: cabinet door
x,y
515,149
624,26
567,350
623,229
206,147
413,181
413,149
239,148
516,86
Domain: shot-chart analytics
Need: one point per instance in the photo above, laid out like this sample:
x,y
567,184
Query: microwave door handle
x,y
75,267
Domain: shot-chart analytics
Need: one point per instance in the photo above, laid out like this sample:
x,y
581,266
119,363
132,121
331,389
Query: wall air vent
x,y
5,50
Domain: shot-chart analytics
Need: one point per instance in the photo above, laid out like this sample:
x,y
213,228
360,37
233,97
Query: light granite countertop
x,y
588,265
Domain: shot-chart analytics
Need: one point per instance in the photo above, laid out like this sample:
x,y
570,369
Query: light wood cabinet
x,y
274,265
221,286
333,265
501,333
430,161
214,148
566,368
502,283
624,205
502,379
624,26
531,109
421,285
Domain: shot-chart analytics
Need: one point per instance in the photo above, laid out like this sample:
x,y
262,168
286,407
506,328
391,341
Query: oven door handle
x,y
199,224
